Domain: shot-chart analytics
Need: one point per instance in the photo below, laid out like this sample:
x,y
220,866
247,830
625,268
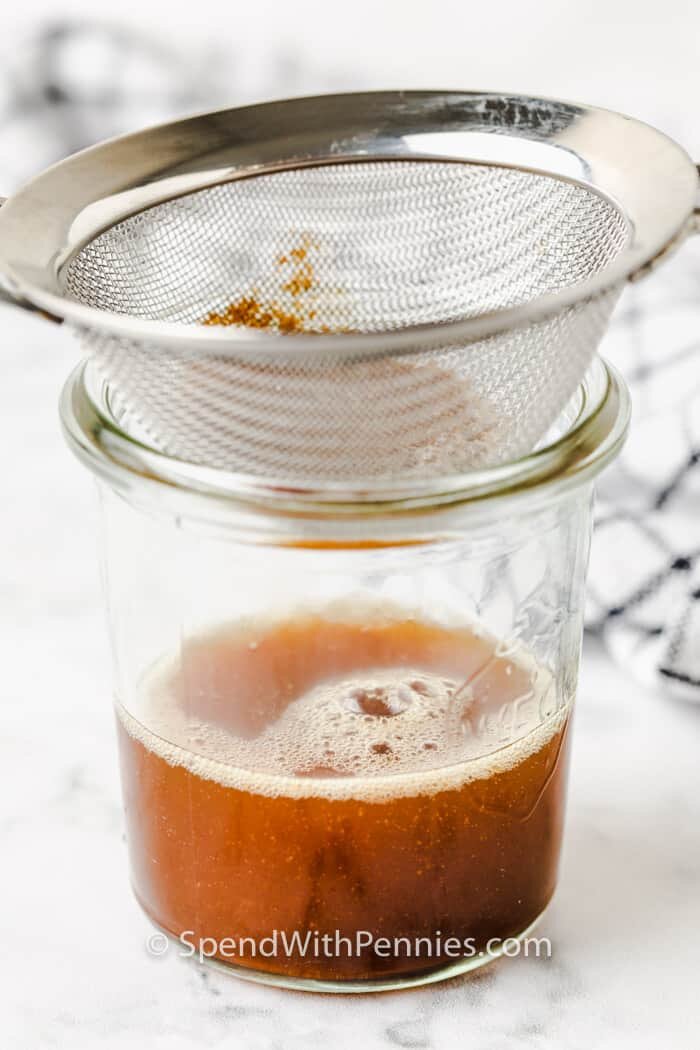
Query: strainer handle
x,y
9,297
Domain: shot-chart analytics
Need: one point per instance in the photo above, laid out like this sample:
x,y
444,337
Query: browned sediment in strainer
x,y
358,249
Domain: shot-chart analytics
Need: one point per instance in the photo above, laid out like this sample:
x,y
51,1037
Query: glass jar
x,y
344,717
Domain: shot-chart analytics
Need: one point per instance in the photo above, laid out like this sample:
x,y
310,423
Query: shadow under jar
x,y
344,721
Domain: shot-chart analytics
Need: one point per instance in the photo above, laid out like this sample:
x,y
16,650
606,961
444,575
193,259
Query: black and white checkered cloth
x,y
644,581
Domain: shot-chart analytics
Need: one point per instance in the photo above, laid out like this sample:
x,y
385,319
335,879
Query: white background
x,y
638,56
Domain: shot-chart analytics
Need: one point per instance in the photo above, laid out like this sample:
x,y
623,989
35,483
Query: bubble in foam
x,y
382,749
375,701
379,695
378,720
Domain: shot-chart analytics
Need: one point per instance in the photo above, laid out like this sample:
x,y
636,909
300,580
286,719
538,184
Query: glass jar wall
x,y
344,719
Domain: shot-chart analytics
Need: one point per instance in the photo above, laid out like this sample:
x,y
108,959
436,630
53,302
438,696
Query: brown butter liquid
x,y
332,776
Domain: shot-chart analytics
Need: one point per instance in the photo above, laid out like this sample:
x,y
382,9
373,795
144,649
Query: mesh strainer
x,y
356,287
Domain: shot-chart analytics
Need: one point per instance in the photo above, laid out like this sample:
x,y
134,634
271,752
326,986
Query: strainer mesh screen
x,y
352,247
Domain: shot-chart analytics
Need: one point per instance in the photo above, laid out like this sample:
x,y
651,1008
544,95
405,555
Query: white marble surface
x,y
74,970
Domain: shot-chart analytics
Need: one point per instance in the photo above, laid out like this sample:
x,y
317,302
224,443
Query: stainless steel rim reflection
x,y
646,175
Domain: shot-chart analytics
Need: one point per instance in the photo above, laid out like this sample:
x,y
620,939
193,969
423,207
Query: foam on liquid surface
x,y
371,734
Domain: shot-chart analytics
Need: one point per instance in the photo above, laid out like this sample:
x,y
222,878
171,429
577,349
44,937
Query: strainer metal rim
x,y
639,169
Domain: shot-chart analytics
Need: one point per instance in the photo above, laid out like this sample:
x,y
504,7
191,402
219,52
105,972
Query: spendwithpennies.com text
x,y
315,945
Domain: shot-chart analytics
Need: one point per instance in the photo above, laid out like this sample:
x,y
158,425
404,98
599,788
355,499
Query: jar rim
x,y
589,441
